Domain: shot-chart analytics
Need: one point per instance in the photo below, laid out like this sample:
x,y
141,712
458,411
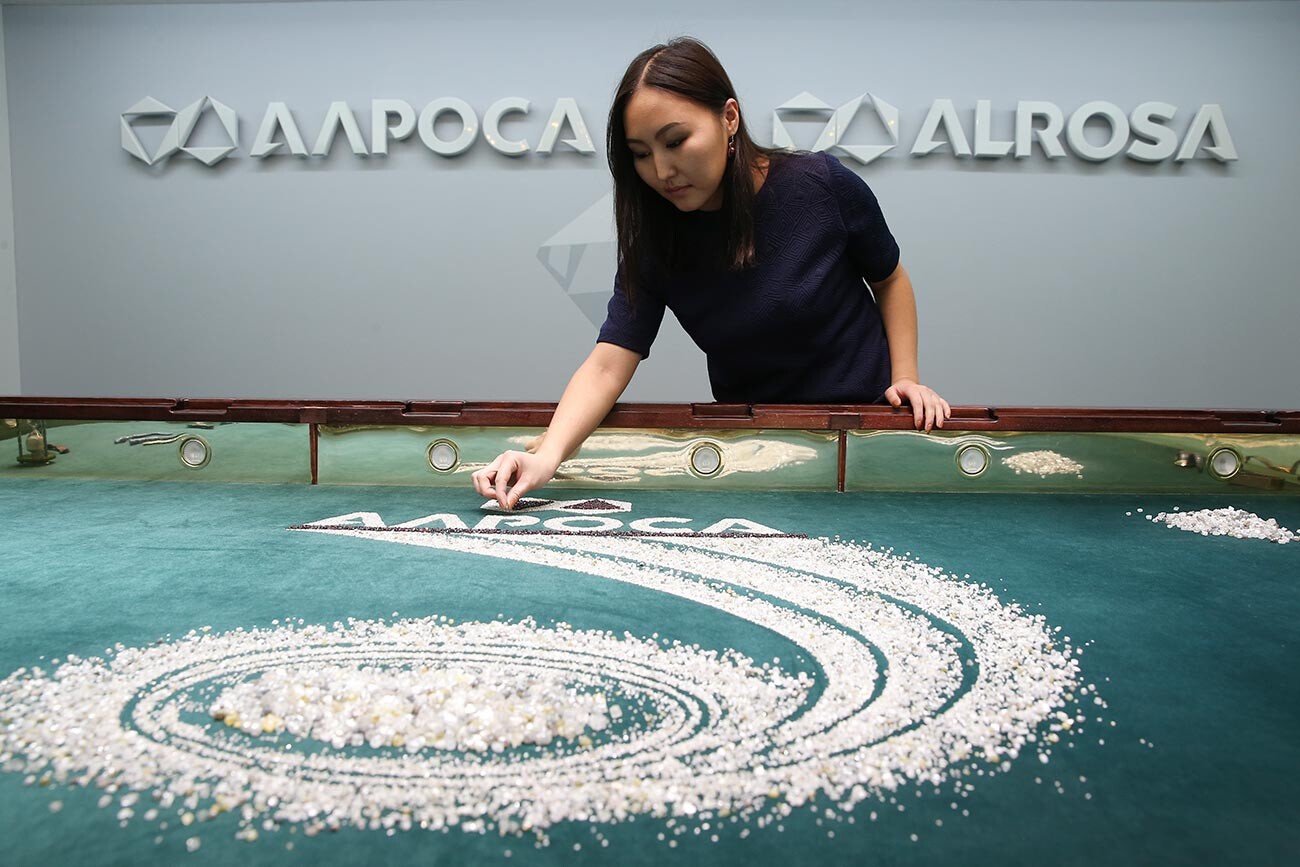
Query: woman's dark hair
x,y
645,220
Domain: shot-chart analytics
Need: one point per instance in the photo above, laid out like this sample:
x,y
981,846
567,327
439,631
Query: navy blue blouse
x,y
800,326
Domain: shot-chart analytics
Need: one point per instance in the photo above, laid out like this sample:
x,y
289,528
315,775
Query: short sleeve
x,y
871,245
632,326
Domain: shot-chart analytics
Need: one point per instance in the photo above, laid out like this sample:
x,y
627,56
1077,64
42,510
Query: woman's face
x,y
679,147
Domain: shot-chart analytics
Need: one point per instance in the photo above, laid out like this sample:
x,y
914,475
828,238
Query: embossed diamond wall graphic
x,y
582,256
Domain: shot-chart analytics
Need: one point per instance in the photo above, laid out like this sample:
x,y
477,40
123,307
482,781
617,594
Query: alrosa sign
x,y
1146,133
390,120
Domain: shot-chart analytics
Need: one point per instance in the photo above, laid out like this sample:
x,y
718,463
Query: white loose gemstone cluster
x,y
910,676
1229,521
1043,463
445,709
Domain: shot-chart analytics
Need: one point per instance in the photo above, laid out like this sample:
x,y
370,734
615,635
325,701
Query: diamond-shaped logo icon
x,y
837,123
178,133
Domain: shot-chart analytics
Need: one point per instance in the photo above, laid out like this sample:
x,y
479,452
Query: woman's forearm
x,y
897,305
588,398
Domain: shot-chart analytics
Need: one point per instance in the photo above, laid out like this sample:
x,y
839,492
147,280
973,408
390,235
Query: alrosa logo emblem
x,y
837,122
178,134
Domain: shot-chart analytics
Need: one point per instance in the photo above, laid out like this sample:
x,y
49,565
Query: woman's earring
x,y
731,147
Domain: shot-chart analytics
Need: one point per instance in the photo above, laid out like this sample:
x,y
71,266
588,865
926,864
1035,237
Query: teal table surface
x,y
1188,755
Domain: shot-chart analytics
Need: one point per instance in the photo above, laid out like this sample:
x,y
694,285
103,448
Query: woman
x,y
761,255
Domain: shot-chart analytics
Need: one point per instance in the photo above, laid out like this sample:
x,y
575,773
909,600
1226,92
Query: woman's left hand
x,y
929,410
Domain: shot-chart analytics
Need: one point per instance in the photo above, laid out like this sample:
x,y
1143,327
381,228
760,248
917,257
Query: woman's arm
x,y
590,395
897,305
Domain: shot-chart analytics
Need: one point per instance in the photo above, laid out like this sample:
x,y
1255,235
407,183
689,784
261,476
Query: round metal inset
x,y
972,459
195,452
706,459
1224,463
443,456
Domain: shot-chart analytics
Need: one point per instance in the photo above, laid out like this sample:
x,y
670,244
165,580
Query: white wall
x,y
416,276
10,381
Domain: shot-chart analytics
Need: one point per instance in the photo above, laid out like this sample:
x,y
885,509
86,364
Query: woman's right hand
x,y
587,399
512,475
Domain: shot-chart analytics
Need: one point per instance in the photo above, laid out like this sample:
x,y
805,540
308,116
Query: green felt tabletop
x,y
1191,641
